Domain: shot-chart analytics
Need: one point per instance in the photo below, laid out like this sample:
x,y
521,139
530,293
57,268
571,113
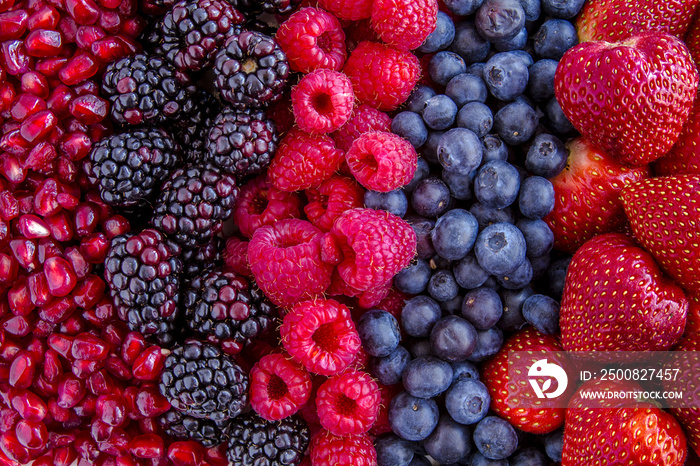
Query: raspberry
x,y
329,450
381,75
236,256
364,299
330,199
351,10
304,160
363,120
394,302
404,24
259,203
358,32
348,403
322,101
386,393
278,387
321,335
285,259
312,39
382,161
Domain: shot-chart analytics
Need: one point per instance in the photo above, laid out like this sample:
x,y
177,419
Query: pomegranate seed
x,y
86,219
60,99
22,370
110,4
82,369
46,202
59,414
76,145
58,310
9,206
14,57
117,444
134,343
111,21
116,225
19,299
36,347
95,248
150,425
87,346
101,383
89,291
4,233
149,364
43,329
147,446
83,11
66,25
38,289
216,456
43,43
25,105
46,460
50,67
24,251
48,248
117,368
103,210
32,435
78,68
86,35
19,326
77,261
31,226
111,409
7,95
41,156
87,87
65,455
60,226
128,8
29,406
89,109
85,446
87,406
67,201
100,431
66,170
35,83
13,24
8,419
8,269
150,403
53,368
45,388
186,453
70,391
61,344
13,449
115,332
60,276
38,126
9,350
45,17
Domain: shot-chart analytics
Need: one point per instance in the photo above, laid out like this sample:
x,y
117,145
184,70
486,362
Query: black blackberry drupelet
x,y
252,8
202,258
184,427
192,133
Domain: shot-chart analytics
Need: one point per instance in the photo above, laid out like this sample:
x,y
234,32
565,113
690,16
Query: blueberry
x,y
392,201
430,198
488,343
445,65
420,460
453,306
524,56
461,185
467,401
429,149
459,150
564,9
496,184
540,87
495,438
542,312
517,278
529,456
412,418
449,442
419,314
538,236
411,127
515,43
532,9
540,265
556,120
454,234
416,101
557,276
452,339
469,44
555,37
379,332
468,273
494,148
422,227
477,69
463,7
516,122
466,87
500,248
422,172
554,444
442,35
464,370
547,156
489,215
427,376
439,112
438,262
536,197
388,369
498,20
477,117
482,307
419,347
512,318
414,278
392,450
480,460
506,76
442,285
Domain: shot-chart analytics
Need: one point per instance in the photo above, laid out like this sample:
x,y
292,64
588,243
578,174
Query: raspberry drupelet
x,y
260,203
235,256
405,24
278,387
382,161
330,199
348,403
323,101
364,119
350,10
330,450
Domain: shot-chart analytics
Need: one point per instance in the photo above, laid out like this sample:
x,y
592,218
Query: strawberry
x,y
692,38
616,298
665,218
587,195
629,98
693,323
615,20
683,158
687,412
597,434
508,396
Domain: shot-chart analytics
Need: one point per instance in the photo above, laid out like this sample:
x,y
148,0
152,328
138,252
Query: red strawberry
x,y
629,98
684,157
509,396
613,435
693,323
664,214
617,299
587,195
692,38
687,411
615,20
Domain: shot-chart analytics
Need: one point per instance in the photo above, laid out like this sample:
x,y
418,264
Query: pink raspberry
x,y
321,335
394,302
351,10
405,24
285,259
259,203
348,403
363,120
381,75
364,299
330,199
382,161
278,387
235,256
386,393
322,101
359,31
330,450
304,160
312,38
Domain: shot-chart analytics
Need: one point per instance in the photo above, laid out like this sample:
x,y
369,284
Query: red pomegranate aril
x,y
66,170
61,344
216,456
25,251
64,455
76,145
60,226
67,201
186,453
14,144
87,87
70,391
41,155
150,403
89,109
47,248
78,68
45,201
114,333
134,344
13,24
111,409
118,368
44,43
25,198
147,446
58,310
77,261
101,383
116,225
84,12
87,346
31,226
35,83
109,49
100,431
46,17
8,269
150,425
45,460
19,299
38,126
13,449
110,21
19,326
32,435
95,248
82,369
29,406
44,388
149,364
9,206
60,276
38,289
86,407
7,95
8,419
9,349
59,100
52,368
86,35
89,291
86,219
86,447
25,105
59,414
117,444
36,347
14,57
22,370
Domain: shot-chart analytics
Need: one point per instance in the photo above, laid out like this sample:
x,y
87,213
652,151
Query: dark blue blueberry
x,y
536,197
547,156
439,112
422,172
412,418
524,56
498,20
392,450
477,117
555,37
496,184
422,227
478,459
482,307
506,76
446,65
453,306
416,101
430,198
379,332
442,285
494,148
540,87
414,278
464,370
388,369
419,347
516,122
427,377
500,248
564,9
518,278
420,460
459,150
538,236
442,35
419,314
438,262
488,343
488,215
429,149
554,444
512,318
540,265
495,438
454,234
463,7
466,87
467,401
461,185
477,69
556,120
468,273
557,276
529,456
469,44
392,201
542,312
532,9
449,442
515,43
452,339
411,127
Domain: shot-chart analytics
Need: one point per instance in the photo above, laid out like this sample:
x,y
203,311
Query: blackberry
x,y
145,89
183,427
201,381
253,440
143,274
227,309
241,143
128,167
203,258
251,70
192,132
193,204
192,31
274,7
